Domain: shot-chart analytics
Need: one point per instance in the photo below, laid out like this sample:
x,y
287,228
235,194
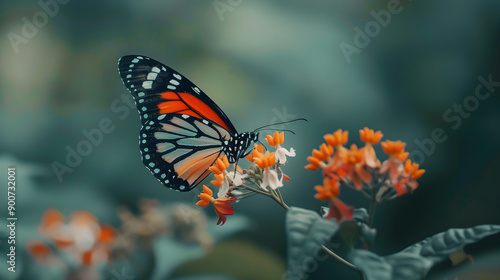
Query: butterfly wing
x,y
158,89
179,149
182,128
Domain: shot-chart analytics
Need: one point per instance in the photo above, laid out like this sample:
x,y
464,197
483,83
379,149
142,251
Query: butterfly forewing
x,y
158,89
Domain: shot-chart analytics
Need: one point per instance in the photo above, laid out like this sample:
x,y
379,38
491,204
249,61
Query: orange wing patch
x,y
185,103
190,170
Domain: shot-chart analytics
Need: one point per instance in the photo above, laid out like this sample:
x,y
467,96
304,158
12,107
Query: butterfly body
x,y
183,131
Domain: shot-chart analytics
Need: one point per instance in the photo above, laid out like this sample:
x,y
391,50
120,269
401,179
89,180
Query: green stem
x,y
255,190
348,264
279,195
373,205
278,198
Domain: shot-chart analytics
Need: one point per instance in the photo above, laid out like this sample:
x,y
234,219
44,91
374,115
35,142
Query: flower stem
x,y
373,205
278,198
348,264
254,190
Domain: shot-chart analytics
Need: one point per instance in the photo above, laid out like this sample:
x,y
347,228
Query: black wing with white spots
x,y
147,79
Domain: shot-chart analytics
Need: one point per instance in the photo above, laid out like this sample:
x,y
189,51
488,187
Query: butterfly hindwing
x,y
179,149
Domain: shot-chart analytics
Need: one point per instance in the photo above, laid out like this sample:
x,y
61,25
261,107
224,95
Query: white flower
x,y
224,188
281,153
270,178
236,179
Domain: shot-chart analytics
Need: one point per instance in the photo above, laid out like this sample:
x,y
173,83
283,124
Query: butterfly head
x,y
240,145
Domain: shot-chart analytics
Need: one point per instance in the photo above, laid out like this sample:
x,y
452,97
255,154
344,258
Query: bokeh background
x,y
261,61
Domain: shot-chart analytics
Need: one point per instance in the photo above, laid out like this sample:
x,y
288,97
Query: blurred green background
x,y
261,61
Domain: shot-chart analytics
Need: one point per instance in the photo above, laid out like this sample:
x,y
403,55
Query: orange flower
x,y
281,153
41,252
329,190
318,156
369,136
411,169
107,234
257,150
395,149
314,163
340,211
221,164
221,204
205,197
222,208
50,218
276,139
269,177
219,179
81,235
338,138
265,160
350,164
353,155
400,186
38,248
397,155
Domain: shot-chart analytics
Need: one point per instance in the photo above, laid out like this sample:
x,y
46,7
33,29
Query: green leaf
x,y
360,215
350,231
415,261
306,232
443,244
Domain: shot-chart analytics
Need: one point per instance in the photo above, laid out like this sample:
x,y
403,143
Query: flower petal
x,y
224,208
280,156
203,203
290,153
273,180
207,190
205,197
224,188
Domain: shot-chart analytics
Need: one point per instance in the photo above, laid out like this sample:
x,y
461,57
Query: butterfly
x,y
183,131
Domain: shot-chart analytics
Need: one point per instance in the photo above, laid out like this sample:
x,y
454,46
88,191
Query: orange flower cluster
x,y
80,236
230,184
360,168
256,152
265,160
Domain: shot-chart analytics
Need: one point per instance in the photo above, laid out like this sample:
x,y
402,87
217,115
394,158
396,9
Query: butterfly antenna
x,y
265,148
294,120
287,130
